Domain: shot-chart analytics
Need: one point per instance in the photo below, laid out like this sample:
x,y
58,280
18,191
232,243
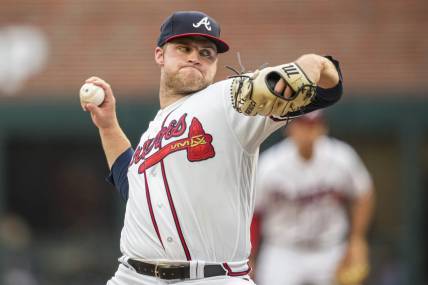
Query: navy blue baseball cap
x,y
191,23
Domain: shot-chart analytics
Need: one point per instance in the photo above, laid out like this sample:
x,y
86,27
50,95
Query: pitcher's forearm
x,y
114,143
361,215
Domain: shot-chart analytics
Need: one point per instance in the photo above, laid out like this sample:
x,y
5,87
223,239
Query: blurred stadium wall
x,y
60,222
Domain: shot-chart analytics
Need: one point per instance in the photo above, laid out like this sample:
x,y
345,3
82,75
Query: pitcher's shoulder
x,y
216,92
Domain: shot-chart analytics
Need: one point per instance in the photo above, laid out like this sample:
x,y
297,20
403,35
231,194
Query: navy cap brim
x,y
221,45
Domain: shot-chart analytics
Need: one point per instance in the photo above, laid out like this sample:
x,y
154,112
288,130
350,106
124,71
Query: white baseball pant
x,y
293,266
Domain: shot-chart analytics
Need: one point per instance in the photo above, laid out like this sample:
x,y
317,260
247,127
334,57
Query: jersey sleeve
x,y
250,131
118,176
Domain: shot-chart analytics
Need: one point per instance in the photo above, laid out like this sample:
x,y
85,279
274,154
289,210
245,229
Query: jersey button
x,y
153,171
169,239
160,205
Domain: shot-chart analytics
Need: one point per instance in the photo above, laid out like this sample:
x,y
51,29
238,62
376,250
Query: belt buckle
x,y
163,265
156,271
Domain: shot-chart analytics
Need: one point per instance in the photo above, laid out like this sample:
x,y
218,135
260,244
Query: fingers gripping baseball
x,y
104,115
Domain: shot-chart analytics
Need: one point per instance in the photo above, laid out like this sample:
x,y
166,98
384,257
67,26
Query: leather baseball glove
x,y
254,93
353,274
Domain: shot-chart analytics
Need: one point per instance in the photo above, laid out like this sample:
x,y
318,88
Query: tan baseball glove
x,y
254,93
353,274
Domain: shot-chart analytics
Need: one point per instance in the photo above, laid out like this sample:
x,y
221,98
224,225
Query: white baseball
x,y
91,93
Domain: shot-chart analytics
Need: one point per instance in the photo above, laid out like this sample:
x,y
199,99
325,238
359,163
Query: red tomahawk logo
x,y
198,146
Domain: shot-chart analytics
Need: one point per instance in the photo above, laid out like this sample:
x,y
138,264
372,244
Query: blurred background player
x,y
314,204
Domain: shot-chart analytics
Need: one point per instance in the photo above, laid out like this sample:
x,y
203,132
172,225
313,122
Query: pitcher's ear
x,y
159,55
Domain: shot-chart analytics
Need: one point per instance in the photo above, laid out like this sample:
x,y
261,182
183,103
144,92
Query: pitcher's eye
x,y
183,49
207,52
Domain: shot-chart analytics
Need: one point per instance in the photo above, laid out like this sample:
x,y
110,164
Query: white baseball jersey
x,y
302,202
192,180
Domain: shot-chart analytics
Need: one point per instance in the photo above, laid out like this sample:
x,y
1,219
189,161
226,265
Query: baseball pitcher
x,y
189,183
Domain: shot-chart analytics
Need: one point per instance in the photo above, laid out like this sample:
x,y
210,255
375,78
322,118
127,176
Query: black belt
x,y
174,271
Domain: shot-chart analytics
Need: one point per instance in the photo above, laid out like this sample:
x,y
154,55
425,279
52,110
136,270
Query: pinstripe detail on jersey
x,y
231,273
174,214
152,215
170,201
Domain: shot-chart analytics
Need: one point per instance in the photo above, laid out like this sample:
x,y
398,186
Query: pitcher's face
x,y
187,64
